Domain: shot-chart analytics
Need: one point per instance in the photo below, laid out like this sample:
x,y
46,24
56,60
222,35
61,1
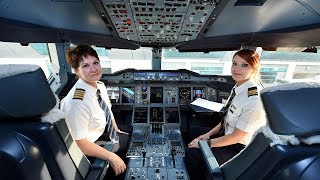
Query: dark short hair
x,y
75,55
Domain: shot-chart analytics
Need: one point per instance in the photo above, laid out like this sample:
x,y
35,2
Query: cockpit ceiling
x,y
188,25
159,22
177,22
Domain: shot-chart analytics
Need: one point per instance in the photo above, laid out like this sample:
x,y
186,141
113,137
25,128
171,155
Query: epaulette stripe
x,y
79,94
252,91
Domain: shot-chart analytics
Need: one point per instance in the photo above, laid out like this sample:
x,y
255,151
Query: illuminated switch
x,y
128,22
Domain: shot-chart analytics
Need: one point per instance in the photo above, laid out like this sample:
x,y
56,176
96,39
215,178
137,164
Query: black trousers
x,y
124,141
194,159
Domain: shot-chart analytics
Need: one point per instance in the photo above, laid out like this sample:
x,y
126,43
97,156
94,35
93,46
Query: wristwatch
x,y
209,142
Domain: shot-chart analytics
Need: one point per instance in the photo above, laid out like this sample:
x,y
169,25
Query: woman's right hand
x,y
117,165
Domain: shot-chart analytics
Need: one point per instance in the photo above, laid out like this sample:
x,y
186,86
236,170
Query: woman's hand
x,y
194,143
117,164
122,132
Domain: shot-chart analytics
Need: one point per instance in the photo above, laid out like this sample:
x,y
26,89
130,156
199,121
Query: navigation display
x,y
184,95
127,95
140,115
156,114
199,92
156,94
172,115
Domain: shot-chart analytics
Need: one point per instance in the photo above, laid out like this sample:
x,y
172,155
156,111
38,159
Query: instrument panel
x,y
180,87
166,95
156,101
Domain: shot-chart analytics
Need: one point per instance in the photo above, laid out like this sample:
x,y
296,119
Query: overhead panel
x,y
153,22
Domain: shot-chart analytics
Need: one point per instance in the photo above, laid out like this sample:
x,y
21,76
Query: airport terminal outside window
x,y
33,53
276,67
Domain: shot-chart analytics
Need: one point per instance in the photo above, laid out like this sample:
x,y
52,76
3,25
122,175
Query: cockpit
x,y
158,58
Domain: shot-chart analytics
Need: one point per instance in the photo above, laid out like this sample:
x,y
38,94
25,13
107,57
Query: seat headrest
x,y
24,92
293,109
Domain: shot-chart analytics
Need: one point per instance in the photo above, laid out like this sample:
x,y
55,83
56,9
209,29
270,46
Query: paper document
x,y
214,106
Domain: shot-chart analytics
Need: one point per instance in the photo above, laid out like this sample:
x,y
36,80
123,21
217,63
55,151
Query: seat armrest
x,y
211,162
99,167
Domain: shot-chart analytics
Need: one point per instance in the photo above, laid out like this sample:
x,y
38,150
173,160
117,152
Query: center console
x,y
156,149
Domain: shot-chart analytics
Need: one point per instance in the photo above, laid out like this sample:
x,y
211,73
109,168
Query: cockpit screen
x,y
184,95
199,92
113,93
140,115
156,94
172,115
156,114
127,95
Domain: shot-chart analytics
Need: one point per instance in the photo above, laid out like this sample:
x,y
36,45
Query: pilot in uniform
x,y
245,112
85,117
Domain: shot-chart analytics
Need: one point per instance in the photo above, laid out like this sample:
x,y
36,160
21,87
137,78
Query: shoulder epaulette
x,y
253,91
79,94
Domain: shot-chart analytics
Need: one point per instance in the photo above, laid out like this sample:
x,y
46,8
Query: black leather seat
x,y
31,149
292,109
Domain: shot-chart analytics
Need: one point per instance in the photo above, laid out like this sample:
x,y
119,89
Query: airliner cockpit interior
x,y
166,66
157,105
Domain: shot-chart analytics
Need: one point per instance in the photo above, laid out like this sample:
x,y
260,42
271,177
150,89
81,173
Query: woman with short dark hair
x,y
88,109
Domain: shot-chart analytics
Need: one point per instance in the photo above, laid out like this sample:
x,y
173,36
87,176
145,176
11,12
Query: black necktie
x,y
112,133
226,108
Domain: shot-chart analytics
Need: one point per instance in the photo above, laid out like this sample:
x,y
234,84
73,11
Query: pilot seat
x,y
32,145
287,147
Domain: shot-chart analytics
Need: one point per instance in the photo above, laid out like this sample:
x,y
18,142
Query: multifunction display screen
x,y
127,95
156,94
156,114
184,95
172,115
199,92
140,115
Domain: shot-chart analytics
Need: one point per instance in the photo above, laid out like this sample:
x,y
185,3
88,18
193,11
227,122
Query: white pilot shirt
x,y
85,118
246,111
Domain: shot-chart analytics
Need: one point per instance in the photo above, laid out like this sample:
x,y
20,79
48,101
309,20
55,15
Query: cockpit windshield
x,y
277,67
